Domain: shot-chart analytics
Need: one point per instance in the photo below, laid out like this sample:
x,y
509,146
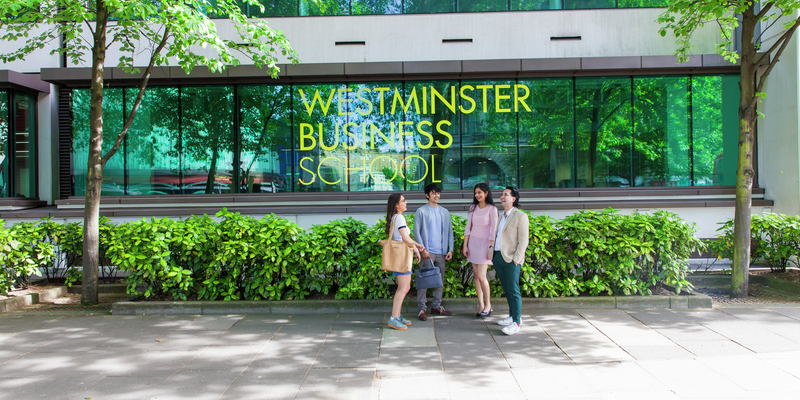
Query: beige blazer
x,y
514,238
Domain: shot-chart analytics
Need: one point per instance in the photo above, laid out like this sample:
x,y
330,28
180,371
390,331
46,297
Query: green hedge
x,y
238,257
774,238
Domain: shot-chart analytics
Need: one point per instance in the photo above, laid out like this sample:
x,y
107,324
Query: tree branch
x,y
786,37
781,42
764,11
142,86
769,27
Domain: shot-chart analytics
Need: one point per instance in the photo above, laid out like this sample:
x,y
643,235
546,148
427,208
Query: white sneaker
x,y
505,321
511,329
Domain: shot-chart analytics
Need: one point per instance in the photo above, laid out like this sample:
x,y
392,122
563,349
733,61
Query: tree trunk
x,y
212,170
744,171
94,172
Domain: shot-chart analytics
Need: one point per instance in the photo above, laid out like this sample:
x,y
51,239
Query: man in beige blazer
x,y
510,246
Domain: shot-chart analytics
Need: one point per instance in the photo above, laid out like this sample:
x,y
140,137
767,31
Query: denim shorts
x,y
401,273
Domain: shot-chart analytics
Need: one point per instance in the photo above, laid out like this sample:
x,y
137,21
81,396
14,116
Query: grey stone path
x,y
732,353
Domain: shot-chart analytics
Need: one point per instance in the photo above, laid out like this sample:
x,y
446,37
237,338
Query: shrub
x,y
775,238
24,250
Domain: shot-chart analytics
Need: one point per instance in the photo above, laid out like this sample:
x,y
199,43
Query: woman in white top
x,y
394,211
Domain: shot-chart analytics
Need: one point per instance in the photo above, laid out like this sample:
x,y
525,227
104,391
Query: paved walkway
x,y
731,353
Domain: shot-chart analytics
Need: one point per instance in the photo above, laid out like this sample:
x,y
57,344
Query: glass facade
x,y
635,131
295,8
18,145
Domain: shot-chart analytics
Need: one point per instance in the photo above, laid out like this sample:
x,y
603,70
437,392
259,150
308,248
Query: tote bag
x,y
397,256
429,278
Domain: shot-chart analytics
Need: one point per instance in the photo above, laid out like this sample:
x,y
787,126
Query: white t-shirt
x,y
399,222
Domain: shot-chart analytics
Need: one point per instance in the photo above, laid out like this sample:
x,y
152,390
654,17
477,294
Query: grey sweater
x,y
421,219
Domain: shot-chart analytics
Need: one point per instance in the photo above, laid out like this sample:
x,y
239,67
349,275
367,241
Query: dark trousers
x,y
509,278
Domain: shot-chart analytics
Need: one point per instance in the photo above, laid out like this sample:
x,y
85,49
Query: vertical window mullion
x,y
574,133
691,131
237,137
291,135
633,137
179,145
11,143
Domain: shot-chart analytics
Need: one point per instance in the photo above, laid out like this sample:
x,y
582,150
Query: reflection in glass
x,y
546,133
114,171
715,125
265,116
661,131
4,159
375,136
207,139
527,5
482,5
25,145
320,154
588,4
488,134
641,3
324,7
429,6
377,7
152,142
603,107
433,152
272,8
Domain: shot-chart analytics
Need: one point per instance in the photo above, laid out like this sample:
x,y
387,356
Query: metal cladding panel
x,y
64,143
671,62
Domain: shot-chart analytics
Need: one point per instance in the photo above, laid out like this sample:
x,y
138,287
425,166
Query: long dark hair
x,y
485,188
391,210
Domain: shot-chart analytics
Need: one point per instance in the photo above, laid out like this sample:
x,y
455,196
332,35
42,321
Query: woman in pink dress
x,y
479,235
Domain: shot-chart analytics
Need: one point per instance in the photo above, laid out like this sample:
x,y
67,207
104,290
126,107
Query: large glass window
x,y
324,7
5,160
320,153
433,152
152,142
546,132
661,131
376,136
24,145
527,5
265,132
378,7
429,6
482,5
272,8
588,4
207,140
393,135
715,129
114,171
488,134
603,119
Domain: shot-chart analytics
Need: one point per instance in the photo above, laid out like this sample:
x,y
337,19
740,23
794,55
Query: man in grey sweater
x,y
434,230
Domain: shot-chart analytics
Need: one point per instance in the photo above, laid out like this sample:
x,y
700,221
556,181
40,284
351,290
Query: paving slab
x,y
211,323
411,337
333,379
122,387
753,374
468,355
639,395
155,363
484,382
337,355
691,379
63,386
257,385
409,360
201,385
287,353
579,339
671,352
345,394
426,386
620,376
224,357
559,382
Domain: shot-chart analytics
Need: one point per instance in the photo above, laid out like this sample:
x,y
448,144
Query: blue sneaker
x,y
397,323
403,320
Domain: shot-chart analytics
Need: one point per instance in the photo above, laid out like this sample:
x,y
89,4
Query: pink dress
x,y
481,227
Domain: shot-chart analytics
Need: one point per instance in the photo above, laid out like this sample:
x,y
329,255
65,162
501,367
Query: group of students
x,y
491,237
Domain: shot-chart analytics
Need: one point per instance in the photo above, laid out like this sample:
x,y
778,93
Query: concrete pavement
x,y
730,353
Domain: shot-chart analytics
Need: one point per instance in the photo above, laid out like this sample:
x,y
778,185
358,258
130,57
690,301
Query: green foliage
x,y
775,238
24,250
231,257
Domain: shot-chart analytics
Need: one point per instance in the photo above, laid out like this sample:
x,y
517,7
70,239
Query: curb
x,y
775,283
14,303
468,305
103,288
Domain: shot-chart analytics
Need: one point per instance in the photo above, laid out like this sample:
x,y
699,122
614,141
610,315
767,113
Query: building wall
x,y
779,134
495,35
